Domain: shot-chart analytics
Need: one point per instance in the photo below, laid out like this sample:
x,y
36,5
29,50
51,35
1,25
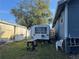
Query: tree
x,y
31,12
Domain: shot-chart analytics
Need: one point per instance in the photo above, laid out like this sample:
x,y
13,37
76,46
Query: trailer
x,y
40,32
66,24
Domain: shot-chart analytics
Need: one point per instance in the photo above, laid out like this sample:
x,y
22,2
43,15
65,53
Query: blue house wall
x,y
60,26
73,18
70,26
68,29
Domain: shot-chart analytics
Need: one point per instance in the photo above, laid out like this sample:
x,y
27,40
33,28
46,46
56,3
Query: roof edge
x,y
59,9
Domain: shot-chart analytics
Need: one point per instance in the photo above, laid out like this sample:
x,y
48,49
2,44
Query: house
x,y
66,23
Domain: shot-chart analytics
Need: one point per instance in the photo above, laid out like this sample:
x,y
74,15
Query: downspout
x,y
66,25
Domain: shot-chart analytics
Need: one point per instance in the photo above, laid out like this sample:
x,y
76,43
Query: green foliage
x,y
31,12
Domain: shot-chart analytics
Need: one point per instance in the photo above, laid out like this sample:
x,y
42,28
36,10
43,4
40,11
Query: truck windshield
x,y
40,30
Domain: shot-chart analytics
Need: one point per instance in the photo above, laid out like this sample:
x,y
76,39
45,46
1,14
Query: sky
x,y
7,5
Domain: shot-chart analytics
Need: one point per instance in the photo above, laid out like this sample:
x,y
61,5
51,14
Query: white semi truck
x,y
40,32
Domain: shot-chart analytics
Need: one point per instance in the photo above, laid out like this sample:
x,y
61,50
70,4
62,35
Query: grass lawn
x,y
17,50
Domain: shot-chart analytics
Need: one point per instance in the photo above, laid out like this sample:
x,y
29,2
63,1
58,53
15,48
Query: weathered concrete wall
x,y
12,32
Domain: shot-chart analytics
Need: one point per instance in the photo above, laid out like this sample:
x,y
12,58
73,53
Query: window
x,y
61,20
41,30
